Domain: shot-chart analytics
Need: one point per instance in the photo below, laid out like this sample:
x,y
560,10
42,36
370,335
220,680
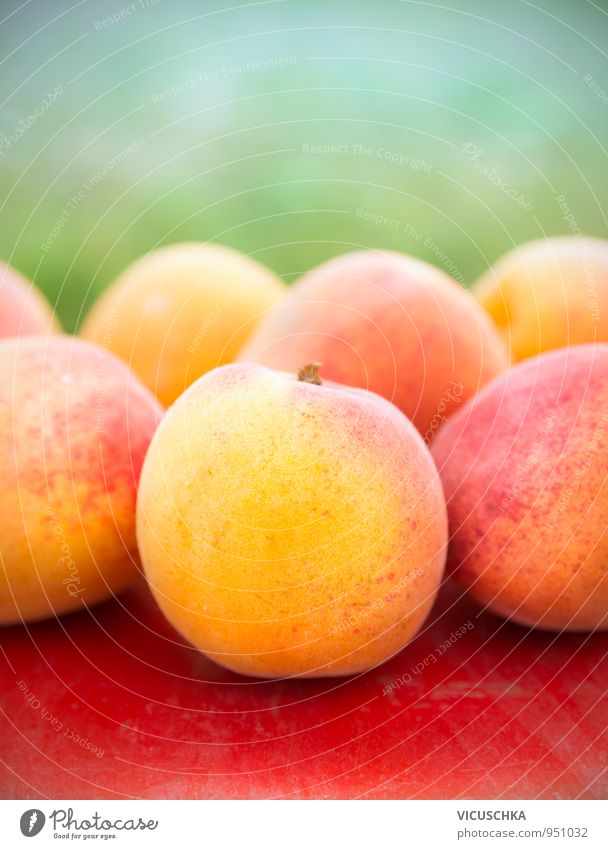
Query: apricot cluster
x,y
328,447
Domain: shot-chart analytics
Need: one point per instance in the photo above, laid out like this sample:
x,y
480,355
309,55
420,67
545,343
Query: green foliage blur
x,y
295,130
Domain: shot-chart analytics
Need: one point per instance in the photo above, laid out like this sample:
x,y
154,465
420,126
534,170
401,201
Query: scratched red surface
x,y
109,703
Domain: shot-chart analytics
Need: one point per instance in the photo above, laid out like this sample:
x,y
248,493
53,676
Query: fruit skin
x,y
389,323
180,311
290,529
525,473
75,424
548,294
23,308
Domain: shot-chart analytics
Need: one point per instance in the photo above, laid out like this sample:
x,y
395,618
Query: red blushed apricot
x,y
290,528
524,468
23,309
75,425
388,323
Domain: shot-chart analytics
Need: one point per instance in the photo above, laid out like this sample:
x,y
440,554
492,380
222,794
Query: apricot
x,y
180,311
524,467
75,425
23,308
548,294
290,527
388,323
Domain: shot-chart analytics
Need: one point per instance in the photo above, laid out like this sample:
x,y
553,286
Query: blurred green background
x,y
295,130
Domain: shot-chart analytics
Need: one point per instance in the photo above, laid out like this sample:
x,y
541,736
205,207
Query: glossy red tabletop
x,y
109,703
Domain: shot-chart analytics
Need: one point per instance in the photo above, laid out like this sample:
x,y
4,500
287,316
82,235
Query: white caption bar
x,y
304,824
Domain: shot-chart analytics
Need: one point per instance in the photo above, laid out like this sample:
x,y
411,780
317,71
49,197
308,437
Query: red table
x,y
110,703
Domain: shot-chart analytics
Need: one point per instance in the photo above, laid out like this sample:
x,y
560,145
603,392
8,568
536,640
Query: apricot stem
x,y
310,373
